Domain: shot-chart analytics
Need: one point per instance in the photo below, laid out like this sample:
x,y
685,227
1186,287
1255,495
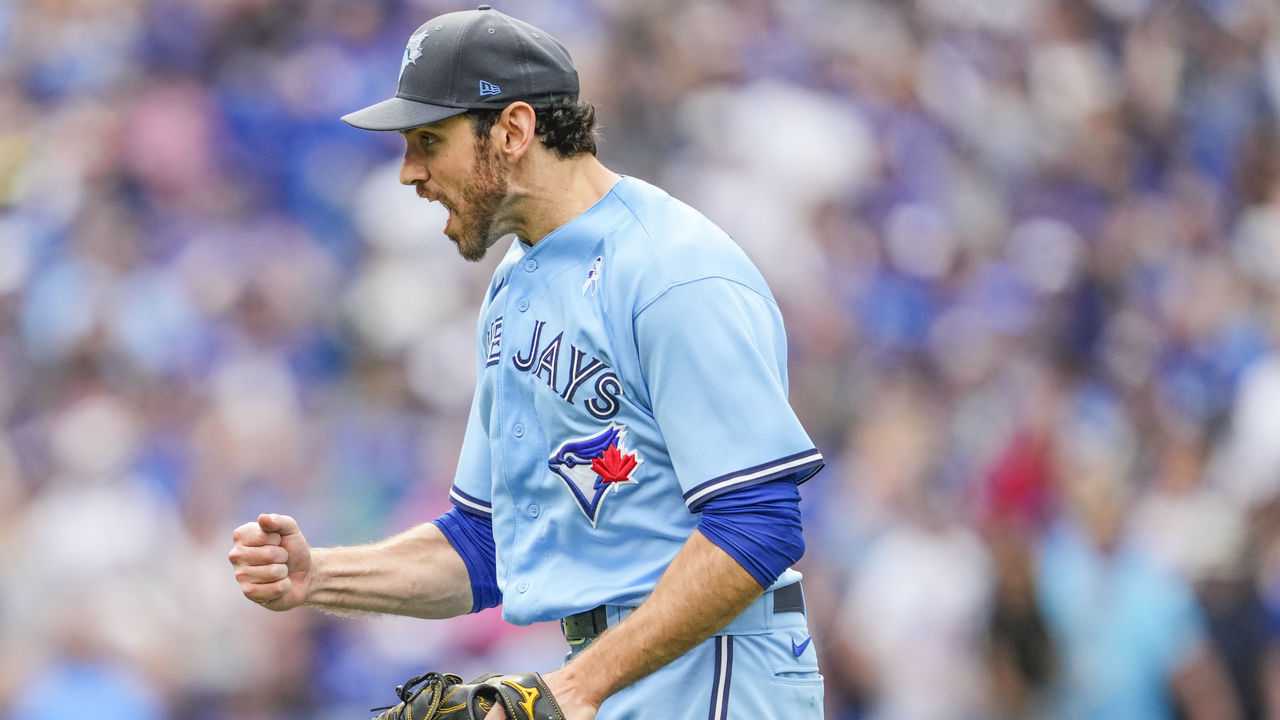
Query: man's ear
x,y
514,132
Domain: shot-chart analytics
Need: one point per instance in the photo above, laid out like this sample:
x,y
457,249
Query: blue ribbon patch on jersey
x,y
589,466
592,285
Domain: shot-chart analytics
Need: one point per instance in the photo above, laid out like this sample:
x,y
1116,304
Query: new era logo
x,y
488,88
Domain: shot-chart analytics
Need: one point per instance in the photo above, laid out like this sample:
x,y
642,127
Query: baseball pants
x,y
764,665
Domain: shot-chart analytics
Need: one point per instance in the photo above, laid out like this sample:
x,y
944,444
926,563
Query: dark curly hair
x,y
566,126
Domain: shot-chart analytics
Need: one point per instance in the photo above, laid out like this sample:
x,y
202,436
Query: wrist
x,y
576,689
318,577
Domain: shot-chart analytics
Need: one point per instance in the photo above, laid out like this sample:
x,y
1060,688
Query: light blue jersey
x,y
632,366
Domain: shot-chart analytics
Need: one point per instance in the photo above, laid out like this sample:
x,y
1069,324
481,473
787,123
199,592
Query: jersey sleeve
x,y
713,356
472,537
759,526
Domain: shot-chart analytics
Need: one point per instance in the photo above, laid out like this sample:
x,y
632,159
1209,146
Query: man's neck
x,y
550,192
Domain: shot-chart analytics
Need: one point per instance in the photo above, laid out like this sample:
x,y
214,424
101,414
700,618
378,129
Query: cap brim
x,y
399,114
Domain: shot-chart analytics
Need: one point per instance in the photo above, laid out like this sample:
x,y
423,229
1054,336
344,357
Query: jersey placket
x,y
520,434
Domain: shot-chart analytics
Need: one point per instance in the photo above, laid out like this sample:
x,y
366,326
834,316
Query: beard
x,y
473,216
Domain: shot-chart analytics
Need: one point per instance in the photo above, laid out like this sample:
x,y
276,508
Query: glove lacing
x,y
432,681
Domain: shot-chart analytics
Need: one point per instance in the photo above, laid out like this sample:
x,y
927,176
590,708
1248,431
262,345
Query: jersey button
x,y
530,265
518,430
523,304
522,586
534,510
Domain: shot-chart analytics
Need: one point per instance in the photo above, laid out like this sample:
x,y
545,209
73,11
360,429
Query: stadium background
x,y
1028,252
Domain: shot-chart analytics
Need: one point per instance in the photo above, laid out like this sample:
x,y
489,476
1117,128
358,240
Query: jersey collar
x,y
581,234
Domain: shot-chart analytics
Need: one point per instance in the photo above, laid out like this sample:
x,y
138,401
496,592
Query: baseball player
x,y
630,464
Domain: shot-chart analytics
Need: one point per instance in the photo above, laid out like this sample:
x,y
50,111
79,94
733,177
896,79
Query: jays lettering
x,y
565,368
493,341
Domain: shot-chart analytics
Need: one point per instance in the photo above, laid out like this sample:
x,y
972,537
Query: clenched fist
x,y
272,561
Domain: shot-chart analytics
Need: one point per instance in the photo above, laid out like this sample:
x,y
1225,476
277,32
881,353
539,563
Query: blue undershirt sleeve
x,y
472,536
759,526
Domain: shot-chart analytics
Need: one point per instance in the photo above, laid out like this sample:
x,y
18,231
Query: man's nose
x,y
413,171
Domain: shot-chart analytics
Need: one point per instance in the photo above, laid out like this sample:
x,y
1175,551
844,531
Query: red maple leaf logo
x,y
612,466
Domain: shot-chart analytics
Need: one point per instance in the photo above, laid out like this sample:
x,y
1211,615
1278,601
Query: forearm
x,y
416,573
702,591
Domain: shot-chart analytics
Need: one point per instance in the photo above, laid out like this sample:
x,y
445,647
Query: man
x,y
630,465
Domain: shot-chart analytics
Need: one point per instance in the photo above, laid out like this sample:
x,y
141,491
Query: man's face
x,y
447,163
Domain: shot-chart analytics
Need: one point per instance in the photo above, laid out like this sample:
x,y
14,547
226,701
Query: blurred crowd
x,y
1028,252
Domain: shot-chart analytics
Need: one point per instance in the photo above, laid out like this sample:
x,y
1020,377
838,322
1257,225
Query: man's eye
x,y
426,141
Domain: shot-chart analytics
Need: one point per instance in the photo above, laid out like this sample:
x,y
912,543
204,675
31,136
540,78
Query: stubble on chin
x,y
485,198
474,243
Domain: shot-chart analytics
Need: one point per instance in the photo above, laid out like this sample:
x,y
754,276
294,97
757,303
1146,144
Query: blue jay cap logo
x,y
413,50
487,88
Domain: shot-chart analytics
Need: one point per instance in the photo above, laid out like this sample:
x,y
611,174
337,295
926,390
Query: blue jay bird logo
x,y
589,466
413,50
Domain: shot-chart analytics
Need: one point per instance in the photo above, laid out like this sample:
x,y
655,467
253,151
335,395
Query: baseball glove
x,y
443,696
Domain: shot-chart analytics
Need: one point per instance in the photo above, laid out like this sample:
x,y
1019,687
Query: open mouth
x,y
448,221
430,197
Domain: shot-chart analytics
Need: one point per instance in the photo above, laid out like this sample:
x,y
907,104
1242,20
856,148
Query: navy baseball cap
x,y
467,60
